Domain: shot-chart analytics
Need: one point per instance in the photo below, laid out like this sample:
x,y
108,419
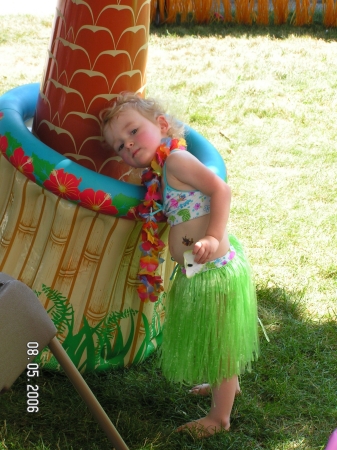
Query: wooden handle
x,y
85,392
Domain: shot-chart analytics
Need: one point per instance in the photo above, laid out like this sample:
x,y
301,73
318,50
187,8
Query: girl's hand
x,y
204,249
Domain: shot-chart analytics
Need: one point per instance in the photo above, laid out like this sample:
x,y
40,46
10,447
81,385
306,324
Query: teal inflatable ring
x,y
52,170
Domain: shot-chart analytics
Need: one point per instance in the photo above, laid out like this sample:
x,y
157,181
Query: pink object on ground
x,y
332,443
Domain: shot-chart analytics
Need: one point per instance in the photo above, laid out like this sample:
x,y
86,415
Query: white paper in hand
x,y
191,266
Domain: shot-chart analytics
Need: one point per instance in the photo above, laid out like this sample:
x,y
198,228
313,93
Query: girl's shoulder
x,y
180,154
179,160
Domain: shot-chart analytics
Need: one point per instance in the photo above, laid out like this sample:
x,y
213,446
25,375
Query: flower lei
x,y
150,211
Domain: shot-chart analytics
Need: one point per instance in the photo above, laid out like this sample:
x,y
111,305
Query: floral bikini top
x,y
181,206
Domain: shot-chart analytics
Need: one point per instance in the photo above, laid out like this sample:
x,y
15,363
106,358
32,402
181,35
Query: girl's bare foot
x,y
201,389
218,418
204,427
205,389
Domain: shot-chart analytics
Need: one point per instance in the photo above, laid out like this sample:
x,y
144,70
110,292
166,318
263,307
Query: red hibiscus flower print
x,y
98,201
3,145
63,184
23,163
132,214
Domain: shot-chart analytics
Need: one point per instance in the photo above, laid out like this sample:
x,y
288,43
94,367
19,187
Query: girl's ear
x,y
163,124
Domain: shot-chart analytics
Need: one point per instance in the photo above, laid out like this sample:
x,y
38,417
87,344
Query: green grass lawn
x,y
266,97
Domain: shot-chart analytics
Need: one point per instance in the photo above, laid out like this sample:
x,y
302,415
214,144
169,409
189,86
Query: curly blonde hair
x,y
147,107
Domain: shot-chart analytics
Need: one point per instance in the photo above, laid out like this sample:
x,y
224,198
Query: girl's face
x,y
134,137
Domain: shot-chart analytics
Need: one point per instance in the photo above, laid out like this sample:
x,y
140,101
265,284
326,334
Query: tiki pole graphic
x,y
98,48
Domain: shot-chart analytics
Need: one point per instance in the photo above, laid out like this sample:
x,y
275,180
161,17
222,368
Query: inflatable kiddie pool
x,y
64,232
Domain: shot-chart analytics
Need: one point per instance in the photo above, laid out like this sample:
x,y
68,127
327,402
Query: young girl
x,y
210,331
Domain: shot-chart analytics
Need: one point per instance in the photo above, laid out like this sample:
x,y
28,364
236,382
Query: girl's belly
x,y
183,236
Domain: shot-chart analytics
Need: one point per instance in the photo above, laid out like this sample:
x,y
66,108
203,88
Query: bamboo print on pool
x,y
89,261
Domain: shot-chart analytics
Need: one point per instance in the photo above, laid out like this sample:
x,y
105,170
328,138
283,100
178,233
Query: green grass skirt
x,y
210,331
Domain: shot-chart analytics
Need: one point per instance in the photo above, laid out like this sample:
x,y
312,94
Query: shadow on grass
x,y
289,399
315,30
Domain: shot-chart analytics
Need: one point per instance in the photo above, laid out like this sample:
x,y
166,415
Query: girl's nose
x,y
129,144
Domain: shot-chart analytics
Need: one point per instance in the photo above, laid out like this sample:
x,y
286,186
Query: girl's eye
x,y
134,131
120,147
